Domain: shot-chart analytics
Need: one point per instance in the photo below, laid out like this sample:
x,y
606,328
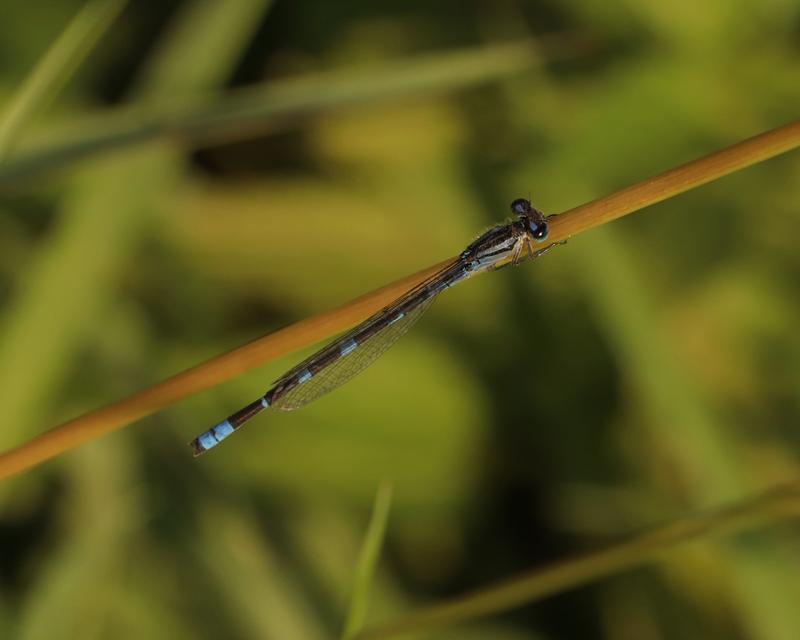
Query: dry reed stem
x,y
776,504
637,196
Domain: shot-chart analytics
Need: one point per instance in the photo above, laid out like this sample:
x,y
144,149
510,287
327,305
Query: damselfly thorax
x,y
510,243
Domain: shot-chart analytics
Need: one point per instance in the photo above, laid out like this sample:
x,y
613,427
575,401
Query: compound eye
x,y
538,231
520,206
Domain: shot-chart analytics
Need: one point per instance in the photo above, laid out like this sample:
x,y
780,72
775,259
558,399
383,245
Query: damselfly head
x,y
531,218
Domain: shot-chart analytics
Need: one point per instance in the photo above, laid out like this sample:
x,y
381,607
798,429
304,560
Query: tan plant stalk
x,y
305,332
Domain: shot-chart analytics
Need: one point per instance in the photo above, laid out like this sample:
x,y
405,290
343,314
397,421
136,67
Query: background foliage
x,y
647,368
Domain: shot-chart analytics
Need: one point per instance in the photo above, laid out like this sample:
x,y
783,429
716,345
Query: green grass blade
x,y
780,503
56,67
183,65
73,591
257,587
367,560
279,104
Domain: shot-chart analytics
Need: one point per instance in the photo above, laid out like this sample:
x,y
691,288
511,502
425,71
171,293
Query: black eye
x,y
538,231
520,206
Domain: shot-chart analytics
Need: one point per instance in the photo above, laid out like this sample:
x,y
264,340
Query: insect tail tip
x,y
197,448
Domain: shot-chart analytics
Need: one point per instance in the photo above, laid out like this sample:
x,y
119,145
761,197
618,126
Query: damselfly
x,y
354,351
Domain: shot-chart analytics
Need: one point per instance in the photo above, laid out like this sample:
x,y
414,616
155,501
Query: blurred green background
x,y
214,171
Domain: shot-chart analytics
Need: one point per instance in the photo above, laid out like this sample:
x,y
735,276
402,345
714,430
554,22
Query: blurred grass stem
x,y
56,67
276,105
313,329
367,562
776,504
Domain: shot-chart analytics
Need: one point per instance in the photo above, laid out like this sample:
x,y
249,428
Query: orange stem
x,y
300,334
